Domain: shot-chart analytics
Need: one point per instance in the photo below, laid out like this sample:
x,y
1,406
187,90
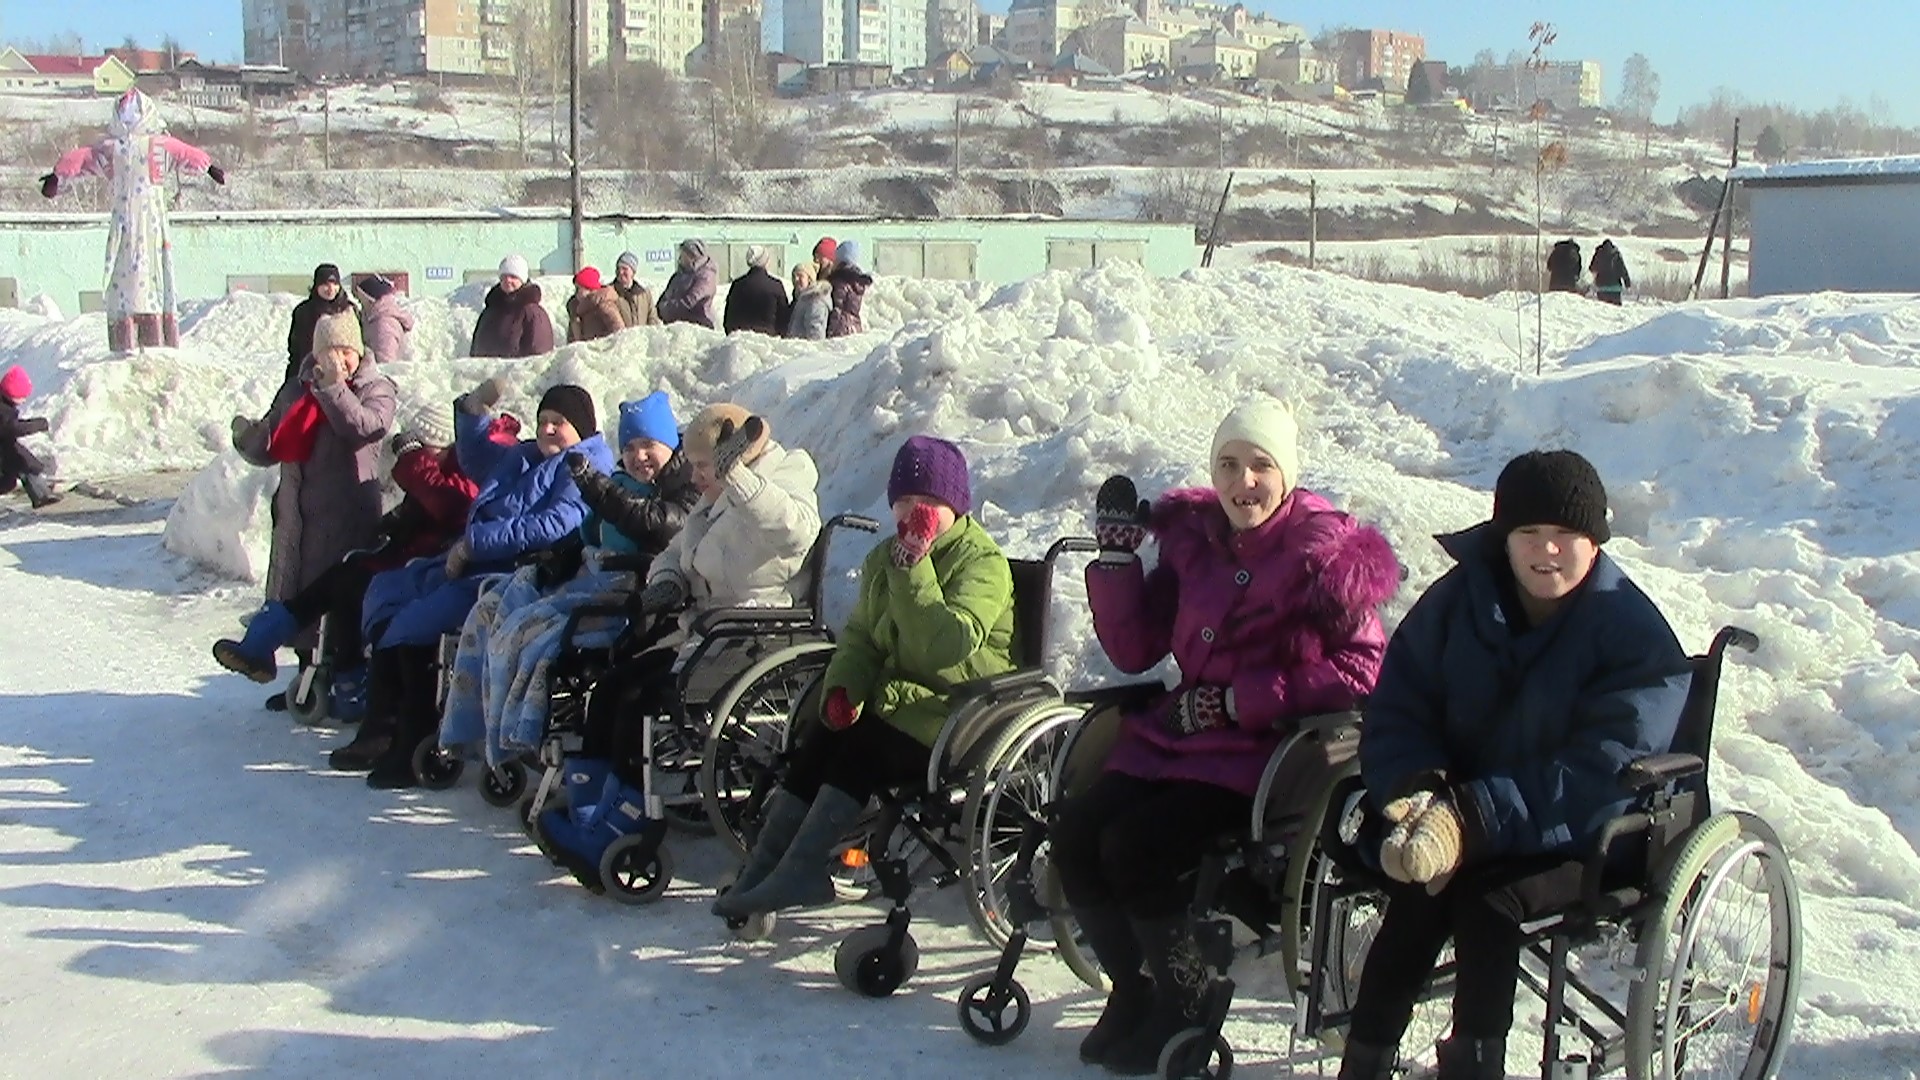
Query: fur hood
x,y
526,294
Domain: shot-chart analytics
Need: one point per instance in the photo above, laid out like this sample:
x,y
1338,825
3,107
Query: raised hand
x,y
915,536
1120,519
732,446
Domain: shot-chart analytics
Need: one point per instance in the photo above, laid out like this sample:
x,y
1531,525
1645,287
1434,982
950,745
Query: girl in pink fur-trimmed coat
x,y
1264,594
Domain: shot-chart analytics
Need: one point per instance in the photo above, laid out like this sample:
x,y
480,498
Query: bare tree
x,y
530,31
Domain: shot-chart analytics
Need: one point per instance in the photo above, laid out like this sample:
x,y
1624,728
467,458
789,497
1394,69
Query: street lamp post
x,y
573,134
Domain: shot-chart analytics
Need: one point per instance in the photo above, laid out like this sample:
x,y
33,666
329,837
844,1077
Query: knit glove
x,y
1119,520
457,558
1401,813
733,445
1429,843
838,711
1202,708
480,400
661,594
916,536
217,174
50,185
404,441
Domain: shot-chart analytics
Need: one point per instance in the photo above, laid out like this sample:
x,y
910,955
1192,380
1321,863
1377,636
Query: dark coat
x,y
688,295
306,315
512,324
850,285
757,302
1563,267
17,461
1609,269
1530,729
648,523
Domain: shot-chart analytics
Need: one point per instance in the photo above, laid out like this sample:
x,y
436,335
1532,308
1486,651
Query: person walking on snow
x,y
689,294
1610,277
512,323
636,301
384,322
134,158
1563,267
757,300
19,467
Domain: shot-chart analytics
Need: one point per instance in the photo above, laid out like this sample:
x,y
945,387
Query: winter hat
x,y
16,384
514,266
703,433
376,287
628,259
575,404
804,274
431,424
825,248
758,256
326,272
588,278
340,328
931,467
649,418
848,253
1551,487
1269,425
694,248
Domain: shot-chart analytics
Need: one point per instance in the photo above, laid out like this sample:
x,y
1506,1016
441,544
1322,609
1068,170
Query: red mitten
x,y
916,535
839,711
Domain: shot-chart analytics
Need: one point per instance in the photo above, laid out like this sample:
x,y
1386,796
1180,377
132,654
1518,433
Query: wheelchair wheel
x,y
435,767
1006,796
503,786
986,1019
631,873
868,966
1195,1055
1721,957
748,733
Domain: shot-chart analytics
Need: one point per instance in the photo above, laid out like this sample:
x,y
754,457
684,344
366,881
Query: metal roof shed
x,y
1846,226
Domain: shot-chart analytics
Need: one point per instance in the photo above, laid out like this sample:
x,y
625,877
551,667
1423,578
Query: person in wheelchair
x,y
1264,594
428,518
1512,695
527,502
512,635
935,609
744,545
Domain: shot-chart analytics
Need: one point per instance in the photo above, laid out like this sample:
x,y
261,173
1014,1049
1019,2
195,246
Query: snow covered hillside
x,y
178,865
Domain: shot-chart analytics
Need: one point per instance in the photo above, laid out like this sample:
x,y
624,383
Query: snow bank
x,y
1761,457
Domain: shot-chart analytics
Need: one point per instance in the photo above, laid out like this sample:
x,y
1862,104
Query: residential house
x,y
1296,63
1216,50
991,63
950,67
1123,43
847,75
64,74
210,86
150,61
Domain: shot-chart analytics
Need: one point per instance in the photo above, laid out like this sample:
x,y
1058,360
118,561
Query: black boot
x,y
39,491
1180,981
1111,936
417,719
376,732
1365,1061
1472,1059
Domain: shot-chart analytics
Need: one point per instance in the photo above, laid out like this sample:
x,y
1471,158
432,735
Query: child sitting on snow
x,y
18,466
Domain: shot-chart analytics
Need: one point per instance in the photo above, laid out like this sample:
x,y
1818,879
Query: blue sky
x,y
1805,54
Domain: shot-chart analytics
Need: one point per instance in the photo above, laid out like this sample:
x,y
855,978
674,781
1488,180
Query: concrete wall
x,y
1843,237
62,255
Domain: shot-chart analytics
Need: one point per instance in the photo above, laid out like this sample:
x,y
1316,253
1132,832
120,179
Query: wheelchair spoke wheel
x,y
1005,797
995,1020
1721,957
738,767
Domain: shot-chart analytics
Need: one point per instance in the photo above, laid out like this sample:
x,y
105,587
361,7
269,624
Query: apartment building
x,y
1566,84
1360,56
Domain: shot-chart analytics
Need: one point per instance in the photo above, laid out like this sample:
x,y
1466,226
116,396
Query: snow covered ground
x,y
179,866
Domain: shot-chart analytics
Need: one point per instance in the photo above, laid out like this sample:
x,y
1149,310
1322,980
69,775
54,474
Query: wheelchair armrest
x,y
1659,770
1123,696
1005,684
626,561
586,611
1329,723
773,618
1596,900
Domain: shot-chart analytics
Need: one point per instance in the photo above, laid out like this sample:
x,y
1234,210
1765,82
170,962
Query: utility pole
x,y
326,125
1726,238
956,137
573,135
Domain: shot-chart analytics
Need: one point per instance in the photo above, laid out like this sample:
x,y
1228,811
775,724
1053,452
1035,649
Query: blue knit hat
x,y
934,468
847,253
649,418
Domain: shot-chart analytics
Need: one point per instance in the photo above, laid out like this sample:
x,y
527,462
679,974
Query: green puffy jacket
x,y
915,633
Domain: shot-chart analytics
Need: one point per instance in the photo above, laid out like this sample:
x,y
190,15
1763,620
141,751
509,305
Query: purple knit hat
x,y
934,468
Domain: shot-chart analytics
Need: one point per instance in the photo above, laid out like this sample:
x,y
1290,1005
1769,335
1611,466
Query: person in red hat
x,y
825,257
18,465
593,312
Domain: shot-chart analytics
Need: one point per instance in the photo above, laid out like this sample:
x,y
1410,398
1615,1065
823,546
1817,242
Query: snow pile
x,y
1762,458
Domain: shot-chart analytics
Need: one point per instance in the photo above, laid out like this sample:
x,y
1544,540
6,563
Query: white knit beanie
x,y
514,266
1269,425
433,424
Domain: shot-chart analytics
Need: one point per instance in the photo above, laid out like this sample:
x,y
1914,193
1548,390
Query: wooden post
x,y
1713,226
1726,238
956,136
326,126
1313,222
1213,230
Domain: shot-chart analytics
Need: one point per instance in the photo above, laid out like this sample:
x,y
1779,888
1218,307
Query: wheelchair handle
x,y
1070,545
1737,636
584,611
853,521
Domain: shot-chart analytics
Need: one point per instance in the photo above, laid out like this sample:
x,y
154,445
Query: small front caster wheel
x,y
631,873
504,785
1195,1055
436,768
994,1018
869,966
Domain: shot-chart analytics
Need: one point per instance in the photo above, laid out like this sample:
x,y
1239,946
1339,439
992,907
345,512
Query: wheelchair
x,y
1006,726
742,672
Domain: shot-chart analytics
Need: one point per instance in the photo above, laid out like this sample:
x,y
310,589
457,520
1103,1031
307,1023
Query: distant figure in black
x,y
1610,277
1563,267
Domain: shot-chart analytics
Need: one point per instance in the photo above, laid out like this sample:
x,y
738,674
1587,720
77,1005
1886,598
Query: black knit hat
x,y
326,272
573,403
1551,487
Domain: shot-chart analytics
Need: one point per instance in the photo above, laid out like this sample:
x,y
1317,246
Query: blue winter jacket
x,y
527,502
1530,731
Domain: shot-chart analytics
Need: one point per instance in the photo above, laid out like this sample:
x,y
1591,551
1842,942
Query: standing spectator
x,y
593,312
757,301
18,466
812,300
1610,277
1563,267
512,323
636,301
823,257
323,299
689,294
849,284
384,323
